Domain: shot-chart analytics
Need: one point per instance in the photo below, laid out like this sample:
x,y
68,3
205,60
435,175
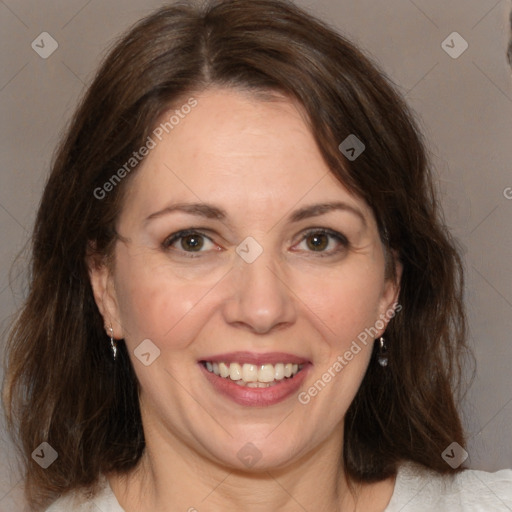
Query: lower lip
x,y
255,397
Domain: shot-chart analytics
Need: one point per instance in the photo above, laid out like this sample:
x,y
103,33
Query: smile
x,y
255,379
252,375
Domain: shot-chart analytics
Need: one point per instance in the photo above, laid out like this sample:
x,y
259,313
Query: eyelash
x,y
341,239
170,240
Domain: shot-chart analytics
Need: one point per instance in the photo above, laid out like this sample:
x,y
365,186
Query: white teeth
x,y
235,371
223,369
260,384
266,373
251,375
279,371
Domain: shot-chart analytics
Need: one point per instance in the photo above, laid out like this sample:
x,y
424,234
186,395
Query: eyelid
x,y
172,238
340,238
325,231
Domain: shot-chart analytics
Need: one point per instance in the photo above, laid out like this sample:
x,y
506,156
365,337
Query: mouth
x,y
252,375
255,379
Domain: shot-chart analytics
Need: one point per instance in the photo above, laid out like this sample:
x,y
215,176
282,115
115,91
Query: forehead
x,y
237,149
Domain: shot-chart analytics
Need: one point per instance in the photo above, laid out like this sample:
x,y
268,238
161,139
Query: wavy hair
x,y
61,383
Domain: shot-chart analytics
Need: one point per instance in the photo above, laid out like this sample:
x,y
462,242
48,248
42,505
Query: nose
x,y
260,298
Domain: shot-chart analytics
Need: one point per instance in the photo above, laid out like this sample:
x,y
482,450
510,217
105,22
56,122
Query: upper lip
x,y
255,358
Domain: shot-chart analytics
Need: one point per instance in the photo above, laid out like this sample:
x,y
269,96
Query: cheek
x,y
157,303
341,307
345,301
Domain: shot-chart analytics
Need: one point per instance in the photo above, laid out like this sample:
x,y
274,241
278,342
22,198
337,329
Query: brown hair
x,y
62,385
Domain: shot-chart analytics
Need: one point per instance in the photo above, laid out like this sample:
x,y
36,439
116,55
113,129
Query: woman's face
x,y
243,250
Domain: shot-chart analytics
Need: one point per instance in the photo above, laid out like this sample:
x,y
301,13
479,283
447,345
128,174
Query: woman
x,y
242,296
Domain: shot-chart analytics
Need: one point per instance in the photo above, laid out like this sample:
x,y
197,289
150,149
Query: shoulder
x,y
82,501
420,489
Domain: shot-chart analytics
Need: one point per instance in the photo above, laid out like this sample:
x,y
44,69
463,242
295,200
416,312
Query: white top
x,y
416,490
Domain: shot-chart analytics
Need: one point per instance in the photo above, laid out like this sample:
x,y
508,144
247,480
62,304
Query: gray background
x,y
464,106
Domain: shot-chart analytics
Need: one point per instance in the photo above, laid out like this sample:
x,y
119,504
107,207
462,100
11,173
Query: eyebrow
x,y
316,210
212,212
199,209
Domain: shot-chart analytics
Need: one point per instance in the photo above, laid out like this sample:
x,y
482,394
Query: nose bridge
x,y
260,299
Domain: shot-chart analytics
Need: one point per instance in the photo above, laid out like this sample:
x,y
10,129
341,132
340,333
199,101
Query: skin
x,y
257,161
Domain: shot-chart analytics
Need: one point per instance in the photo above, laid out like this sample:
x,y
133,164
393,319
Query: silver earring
x,y
383,350
113,343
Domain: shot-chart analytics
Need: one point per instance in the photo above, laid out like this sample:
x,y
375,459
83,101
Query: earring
x,y
113,343
383,350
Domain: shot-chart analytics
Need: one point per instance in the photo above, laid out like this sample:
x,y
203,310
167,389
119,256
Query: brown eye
x,y
317,241
189,241
192,243
323,242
